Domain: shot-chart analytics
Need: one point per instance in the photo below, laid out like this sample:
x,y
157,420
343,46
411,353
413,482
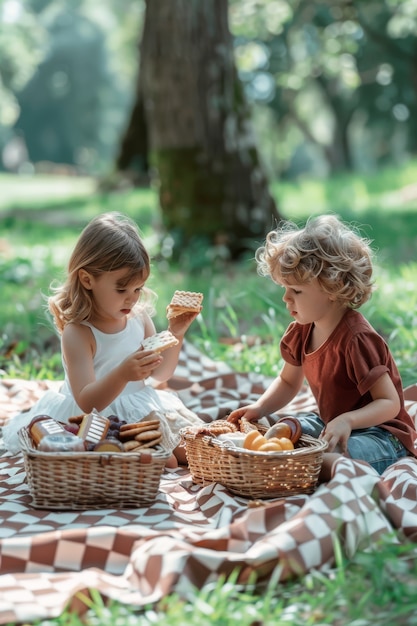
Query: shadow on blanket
x,y
190,535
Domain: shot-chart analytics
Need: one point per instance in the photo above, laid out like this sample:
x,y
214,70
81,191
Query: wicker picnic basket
x,y
91,480
254,474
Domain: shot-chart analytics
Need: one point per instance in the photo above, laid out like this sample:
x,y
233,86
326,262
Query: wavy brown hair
x,y
111,241
326,250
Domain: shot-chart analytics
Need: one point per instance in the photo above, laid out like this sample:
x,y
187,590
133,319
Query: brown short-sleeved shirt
x,y
342,371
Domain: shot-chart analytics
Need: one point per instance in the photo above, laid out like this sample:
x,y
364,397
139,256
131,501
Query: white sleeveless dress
x,y
135,402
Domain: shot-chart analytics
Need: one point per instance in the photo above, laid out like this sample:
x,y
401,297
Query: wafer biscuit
x,y
93,427
160,341
184,302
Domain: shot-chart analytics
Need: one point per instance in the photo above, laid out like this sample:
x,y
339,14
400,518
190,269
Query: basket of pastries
x,y
92,461
253,460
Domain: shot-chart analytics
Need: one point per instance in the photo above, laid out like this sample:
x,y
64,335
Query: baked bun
x,y
218,427
108,445
295,426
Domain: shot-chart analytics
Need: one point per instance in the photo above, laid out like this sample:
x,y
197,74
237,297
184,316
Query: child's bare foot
x,y
180,455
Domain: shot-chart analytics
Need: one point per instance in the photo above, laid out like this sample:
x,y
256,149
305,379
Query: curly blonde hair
x,y
326,250
111,241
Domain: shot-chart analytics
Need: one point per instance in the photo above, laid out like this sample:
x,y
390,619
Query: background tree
x,y
331,83
334,81
212,186
69,80
66,81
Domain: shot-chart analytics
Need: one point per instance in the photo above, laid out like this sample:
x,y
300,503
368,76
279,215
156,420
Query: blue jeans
x,y
375,445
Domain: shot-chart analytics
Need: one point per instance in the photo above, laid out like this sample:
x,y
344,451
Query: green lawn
x,y
38,234
242,321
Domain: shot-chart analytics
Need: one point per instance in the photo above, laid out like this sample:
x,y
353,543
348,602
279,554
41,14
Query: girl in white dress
x,y
103,313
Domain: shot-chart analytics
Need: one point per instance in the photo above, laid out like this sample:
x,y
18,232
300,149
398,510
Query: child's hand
x,y
337,433
140,364
250,413
179,325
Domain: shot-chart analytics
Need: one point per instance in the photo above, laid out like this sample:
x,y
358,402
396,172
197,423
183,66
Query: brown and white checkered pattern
x,y
190,534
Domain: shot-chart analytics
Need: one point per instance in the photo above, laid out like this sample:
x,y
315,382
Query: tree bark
x,y
202,149
133,153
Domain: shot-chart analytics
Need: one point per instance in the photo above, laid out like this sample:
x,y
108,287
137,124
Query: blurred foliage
x,y
333,79
66,71
331,82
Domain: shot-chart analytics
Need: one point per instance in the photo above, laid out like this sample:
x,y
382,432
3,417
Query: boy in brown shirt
x,y
325,271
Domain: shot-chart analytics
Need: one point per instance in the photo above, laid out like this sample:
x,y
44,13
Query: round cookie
x,y
131,446
108,445
150,444
147,435
129,431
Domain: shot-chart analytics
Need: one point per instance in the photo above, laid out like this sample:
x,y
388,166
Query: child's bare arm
x,y
78,349
178,326
385,405
281,391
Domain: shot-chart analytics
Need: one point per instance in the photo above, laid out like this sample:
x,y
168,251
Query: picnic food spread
x,y
283,435
95,433
145,434
256,441
255,460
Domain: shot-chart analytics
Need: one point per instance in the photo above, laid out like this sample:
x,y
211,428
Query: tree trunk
x,y
212,186
133,153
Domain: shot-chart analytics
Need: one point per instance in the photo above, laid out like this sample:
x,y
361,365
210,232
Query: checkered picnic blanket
x,y
190,534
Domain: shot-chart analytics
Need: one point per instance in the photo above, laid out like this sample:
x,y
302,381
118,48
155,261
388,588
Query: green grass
x,y
243,312
376,588
242,321
33,191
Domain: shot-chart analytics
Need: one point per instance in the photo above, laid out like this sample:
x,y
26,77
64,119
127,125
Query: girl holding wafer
x,y
112,356
325,273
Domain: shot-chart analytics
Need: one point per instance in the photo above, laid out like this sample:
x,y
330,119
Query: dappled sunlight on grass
x,y
18,189
243,315
382,207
